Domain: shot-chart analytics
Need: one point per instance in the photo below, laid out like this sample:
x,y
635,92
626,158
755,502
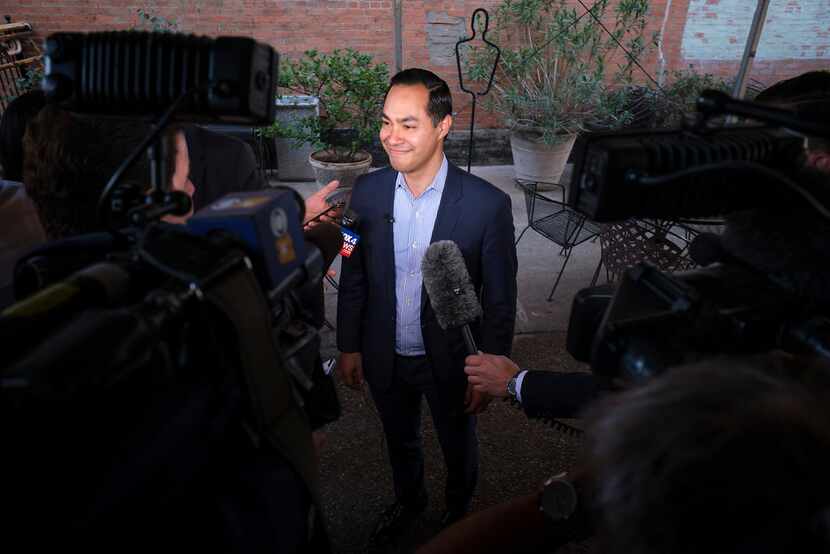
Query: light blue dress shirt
x,y
414,219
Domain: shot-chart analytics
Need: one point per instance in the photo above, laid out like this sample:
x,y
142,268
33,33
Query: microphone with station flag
x,y
348,228
450,289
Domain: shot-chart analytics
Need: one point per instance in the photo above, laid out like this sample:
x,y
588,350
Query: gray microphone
x,y
450,289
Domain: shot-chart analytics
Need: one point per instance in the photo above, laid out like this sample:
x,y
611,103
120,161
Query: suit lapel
x,y
386,240
448,212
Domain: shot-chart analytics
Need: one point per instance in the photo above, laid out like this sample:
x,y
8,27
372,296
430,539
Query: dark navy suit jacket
x,y
472,213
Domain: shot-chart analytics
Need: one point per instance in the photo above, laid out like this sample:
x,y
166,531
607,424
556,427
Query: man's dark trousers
x,y
400,410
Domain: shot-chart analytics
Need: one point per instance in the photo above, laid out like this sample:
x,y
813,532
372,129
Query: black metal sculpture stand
x,y
474,94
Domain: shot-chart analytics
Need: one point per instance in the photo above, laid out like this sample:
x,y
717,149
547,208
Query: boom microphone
x,y
450,289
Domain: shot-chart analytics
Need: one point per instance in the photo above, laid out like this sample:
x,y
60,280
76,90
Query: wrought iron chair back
x,y
557,222
659,243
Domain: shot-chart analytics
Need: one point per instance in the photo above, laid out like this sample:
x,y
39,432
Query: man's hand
x,y
316,204
487,373
475,402
350,369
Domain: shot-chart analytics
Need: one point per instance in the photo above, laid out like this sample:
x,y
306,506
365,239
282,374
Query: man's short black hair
x,y
439,105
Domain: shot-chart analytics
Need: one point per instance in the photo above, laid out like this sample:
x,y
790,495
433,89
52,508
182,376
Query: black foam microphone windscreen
x,y
451,292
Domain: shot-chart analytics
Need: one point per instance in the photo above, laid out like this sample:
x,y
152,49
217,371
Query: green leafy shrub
x,y
555,77
350,87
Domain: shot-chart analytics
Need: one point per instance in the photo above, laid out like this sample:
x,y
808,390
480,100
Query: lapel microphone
x,y
389,218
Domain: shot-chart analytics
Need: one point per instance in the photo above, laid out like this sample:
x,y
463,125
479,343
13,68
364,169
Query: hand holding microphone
x,y
454,301
322,206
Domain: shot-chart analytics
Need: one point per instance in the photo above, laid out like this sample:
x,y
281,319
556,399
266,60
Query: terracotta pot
x,y
345,172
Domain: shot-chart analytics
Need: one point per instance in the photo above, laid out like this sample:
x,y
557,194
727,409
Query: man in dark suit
x,y
387,330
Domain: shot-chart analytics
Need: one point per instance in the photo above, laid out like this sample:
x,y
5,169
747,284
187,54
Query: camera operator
x,y
252,498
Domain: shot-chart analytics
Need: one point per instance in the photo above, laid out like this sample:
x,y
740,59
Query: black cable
x,y
140,149
336,206
740,166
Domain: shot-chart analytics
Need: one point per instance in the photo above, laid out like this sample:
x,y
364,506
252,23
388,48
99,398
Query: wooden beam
x,y
18,63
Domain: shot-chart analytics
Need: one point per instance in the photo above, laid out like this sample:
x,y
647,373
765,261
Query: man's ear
x,y
444,127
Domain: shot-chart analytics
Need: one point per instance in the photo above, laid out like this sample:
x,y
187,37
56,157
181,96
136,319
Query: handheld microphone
x,y
349,224
450,289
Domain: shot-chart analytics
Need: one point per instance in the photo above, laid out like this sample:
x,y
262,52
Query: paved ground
x,y
516,454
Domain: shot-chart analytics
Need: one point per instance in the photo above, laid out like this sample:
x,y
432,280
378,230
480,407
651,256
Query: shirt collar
x,y
438,181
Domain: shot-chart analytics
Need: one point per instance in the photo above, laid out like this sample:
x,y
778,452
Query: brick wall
x,y
795,37
707,34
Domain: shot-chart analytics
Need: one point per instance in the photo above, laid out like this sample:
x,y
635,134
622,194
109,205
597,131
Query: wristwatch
x,y
511,387
559,498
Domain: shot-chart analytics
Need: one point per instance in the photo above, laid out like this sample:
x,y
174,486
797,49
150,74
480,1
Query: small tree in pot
x,y
350,87
555,79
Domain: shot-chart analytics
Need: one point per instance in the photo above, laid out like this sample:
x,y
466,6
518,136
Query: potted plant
x,y
350,87
554,78
679,96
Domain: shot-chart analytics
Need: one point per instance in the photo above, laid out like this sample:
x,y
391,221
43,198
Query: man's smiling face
x,y
407,132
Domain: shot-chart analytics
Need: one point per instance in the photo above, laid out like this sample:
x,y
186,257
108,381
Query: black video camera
x,y
142,363
765,284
